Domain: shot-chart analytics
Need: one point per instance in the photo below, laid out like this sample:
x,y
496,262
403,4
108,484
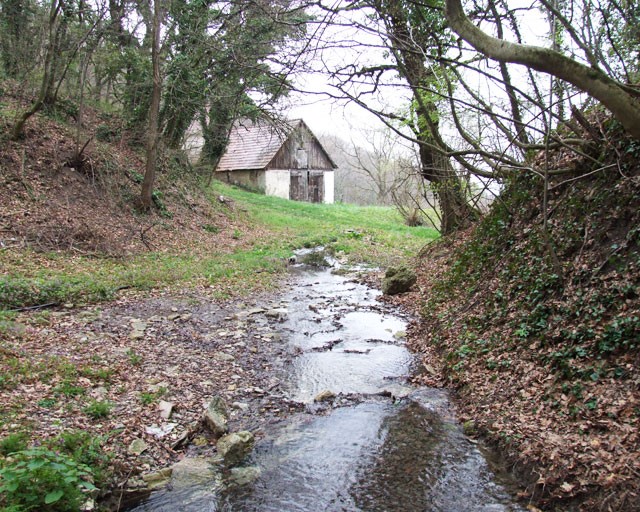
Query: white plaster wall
x,y
193,142
277,182
329,187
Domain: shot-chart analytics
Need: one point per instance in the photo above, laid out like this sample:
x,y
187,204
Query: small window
x,y
302,159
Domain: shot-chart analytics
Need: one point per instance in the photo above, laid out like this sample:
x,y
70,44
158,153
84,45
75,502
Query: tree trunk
x,y
619,99
154,109
436,166
49,70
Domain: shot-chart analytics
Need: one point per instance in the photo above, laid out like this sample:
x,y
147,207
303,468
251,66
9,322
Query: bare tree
x,y
621,99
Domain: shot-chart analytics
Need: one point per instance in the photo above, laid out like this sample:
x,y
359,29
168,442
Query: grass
x,y
372,235
365,234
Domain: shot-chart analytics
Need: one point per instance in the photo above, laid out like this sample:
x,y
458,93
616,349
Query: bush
x,y
13,443
43,480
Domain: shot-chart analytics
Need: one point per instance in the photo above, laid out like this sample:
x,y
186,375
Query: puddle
x,y
376,453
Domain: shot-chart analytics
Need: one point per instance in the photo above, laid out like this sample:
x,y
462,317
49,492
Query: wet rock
x,y
398,280
324,396
277,313
235,447
397,391
157,479
136,447
192,471
244,476
315,259
216,416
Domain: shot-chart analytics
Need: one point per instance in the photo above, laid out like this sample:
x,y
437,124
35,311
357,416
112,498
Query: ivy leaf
x,y
53,496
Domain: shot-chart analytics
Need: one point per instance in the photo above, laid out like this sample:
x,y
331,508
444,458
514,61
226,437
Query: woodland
x,y
528,308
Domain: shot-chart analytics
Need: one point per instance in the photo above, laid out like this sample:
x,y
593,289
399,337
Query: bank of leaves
x,y
540,330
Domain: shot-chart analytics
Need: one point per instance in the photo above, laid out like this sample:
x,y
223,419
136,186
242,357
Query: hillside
x,y
54,201
540,334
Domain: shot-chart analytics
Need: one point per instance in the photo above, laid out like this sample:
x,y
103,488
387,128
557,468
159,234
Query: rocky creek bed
x,y
337,424
318,376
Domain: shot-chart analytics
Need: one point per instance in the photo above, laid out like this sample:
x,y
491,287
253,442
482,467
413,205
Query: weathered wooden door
x,y
298,186
307,186
316,186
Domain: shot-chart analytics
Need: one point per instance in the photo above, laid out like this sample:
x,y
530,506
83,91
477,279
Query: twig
x,y
144,232
38,306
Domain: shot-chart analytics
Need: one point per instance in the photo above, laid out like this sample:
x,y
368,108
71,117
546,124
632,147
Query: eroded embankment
x,y
539,332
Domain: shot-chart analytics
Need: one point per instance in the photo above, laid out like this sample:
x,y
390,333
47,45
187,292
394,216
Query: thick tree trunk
x,y
620,100
437,169
154,110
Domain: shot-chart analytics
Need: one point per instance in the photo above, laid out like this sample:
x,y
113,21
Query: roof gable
x,y
254,144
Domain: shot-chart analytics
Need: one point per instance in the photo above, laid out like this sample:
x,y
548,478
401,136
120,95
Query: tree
x,y
621,99
16,36
153,134
62,47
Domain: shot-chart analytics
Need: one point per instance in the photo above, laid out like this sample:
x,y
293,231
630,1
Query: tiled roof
x,y
252,145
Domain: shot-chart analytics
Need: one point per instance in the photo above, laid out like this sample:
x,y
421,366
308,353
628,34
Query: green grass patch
x,y
368,234
372,235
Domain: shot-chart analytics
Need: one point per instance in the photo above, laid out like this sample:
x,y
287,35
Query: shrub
x,y
13,443
97,409
43,480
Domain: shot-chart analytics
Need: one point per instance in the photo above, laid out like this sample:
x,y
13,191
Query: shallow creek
x,y
379,445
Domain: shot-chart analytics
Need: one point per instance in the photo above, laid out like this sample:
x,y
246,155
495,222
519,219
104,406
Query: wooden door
x,y
316,187
298,186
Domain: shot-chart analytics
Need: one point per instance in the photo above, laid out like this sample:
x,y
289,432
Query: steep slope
x,y
540,331
52,200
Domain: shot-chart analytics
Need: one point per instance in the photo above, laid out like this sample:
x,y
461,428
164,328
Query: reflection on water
x,y
378,455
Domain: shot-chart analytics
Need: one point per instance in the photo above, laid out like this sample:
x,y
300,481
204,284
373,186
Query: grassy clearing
x,y
366,234
273,228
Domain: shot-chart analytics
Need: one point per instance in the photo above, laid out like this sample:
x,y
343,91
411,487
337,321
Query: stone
x,y
216,416
192,471
398,391
324,396
165,408
241,406
138,325
157,479
398,280
136,447
223,356
277,313
235,447
160,431
244,476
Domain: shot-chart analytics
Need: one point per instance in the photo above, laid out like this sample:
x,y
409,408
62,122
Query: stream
x,y
379,444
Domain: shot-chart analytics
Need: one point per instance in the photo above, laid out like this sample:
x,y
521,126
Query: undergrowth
x,y
558,310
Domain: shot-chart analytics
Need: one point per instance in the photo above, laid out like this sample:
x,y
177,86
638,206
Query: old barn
x,y
284,160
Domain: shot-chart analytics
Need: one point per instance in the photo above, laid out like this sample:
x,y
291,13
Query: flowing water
x,y
380,445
